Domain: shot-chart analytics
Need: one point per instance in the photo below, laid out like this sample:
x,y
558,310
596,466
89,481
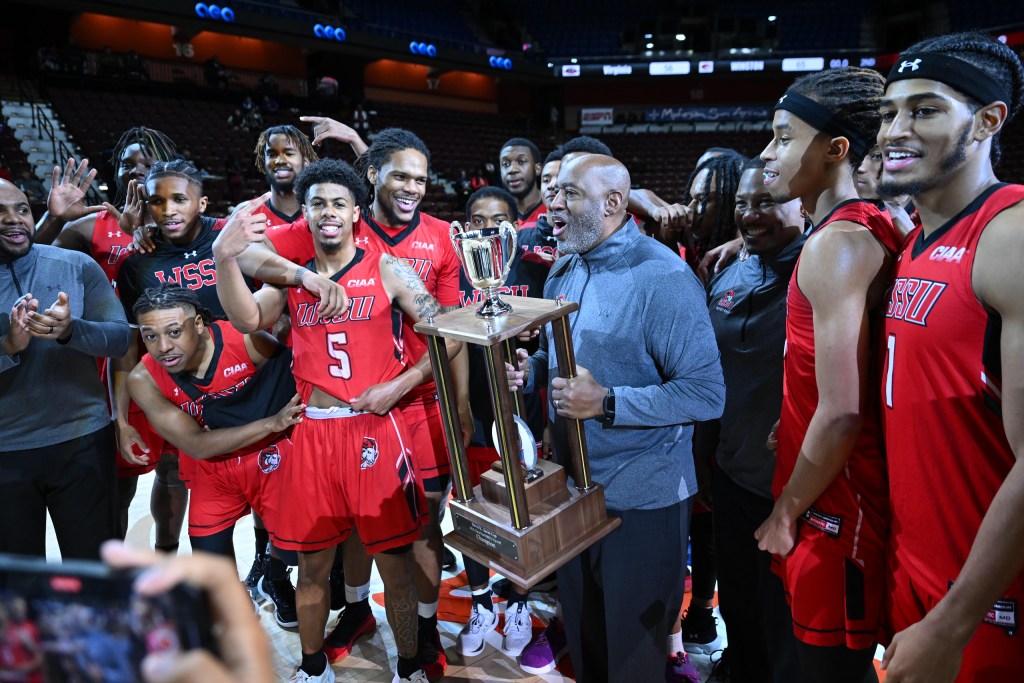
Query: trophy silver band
x,y
523,519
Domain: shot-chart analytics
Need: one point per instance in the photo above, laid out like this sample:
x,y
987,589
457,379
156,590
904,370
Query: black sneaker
x,y
720,668
700,631
431,652
336,580
282,593
448,562
252,580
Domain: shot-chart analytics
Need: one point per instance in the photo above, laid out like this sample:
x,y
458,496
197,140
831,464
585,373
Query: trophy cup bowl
x,y
486,256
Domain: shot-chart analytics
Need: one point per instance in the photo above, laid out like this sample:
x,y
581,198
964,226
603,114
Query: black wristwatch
x,y
609,408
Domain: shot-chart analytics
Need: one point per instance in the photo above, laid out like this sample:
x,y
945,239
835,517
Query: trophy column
x,y
523,527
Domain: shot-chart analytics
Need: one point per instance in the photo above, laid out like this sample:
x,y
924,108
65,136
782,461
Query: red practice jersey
x,y
945,442
230,370
108,246
351,352
853,508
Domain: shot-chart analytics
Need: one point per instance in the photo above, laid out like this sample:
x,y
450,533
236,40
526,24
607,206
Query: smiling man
x,y
352,469
63,465
281,153
953,378
747,303
647,368
829,525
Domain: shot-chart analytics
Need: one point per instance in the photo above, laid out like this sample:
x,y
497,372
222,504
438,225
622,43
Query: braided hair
x,y
178,168
853,93
986,53
331,171
153,144
296,135
388,142
169,295
725,171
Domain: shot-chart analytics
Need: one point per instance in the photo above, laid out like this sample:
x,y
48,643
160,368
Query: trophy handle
x,y
455,230
506,228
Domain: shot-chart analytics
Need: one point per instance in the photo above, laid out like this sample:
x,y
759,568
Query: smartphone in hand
x,y
82,621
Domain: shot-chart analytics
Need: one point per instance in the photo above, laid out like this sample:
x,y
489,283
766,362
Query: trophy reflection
x,y
486,255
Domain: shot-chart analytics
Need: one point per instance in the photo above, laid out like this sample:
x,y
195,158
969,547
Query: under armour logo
x,y
191,254
365,241
913,65
782,98
111,234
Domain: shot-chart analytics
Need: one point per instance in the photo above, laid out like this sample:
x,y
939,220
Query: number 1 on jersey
x,y
336,340
890,357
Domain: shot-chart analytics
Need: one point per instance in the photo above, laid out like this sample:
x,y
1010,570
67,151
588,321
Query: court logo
x,y
369,454
270,459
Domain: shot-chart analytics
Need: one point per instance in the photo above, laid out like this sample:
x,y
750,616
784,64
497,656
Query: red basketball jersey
x,y
274,217
351,352
853,508
530,219
108,246
293,241
230,370
945,442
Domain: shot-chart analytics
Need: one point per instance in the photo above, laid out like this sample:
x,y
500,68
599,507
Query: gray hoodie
x,y
747,302
643,329
51,391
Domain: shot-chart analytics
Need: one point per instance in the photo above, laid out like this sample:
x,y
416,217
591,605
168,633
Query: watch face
x,y
527,443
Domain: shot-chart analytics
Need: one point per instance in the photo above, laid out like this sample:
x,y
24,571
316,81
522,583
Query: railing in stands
x,y
61,152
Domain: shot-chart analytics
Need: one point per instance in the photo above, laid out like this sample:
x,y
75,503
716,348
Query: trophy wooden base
x,y
564,522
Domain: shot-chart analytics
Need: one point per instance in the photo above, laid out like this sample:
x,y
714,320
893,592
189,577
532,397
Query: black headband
x,y
824,119
962,76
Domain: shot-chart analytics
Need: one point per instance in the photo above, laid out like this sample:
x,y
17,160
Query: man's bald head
x,y
16,227
591,203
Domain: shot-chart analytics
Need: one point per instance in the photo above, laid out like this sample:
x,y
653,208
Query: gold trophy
x,y
523,520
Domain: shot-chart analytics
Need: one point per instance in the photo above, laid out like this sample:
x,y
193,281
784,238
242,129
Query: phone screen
x,y
83,622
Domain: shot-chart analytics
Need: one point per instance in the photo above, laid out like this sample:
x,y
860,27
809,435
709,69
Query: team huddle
x,y
862,354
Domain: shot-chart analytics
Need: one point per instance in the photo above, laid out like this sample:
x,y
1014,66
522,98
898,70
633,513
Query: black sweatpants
x,y
75,481
762,647
621,596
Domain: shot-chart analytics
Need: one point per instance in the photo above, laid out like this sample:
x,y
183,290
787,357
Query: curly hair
x,y
330,171
996,59
300,139
852,93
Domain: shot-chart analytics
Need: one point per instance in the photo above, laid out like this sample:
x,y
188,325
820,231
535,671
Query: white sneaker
x,y
418,677
471,640
518,630
301,676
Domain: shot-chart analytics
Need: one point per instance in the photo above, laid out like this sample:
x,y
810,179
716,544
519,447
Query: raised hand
x,y
66,200
242,229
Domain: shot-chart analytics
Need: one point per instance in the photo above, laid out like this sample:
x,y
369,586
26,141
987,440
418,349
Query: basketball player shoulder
x,y
996,277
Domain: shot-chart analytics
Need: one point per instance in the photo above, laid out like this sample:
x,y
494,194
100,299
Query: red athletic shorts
x,y
155,442
223,491
429,449
995,653
349,470
836,600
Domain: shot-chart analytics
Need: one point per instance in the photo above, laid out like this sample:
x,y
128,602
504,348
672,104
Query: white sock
x,y
355,594
426,609
675,642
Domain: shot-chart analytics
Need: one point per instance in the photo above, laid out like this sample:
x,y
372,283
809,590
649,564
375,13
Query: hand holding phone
x,y
238,632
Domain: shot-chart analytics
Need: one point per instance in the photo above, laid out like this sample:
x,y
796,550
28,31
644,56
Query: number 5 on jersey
x,y
335,342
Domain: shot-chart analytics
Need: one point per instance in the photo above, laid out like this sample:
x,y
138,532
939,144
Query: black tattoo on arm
x,y
423,303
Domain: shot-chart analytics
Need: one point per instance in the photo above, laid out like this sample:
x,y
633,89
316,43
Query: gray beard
x,y
582,233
